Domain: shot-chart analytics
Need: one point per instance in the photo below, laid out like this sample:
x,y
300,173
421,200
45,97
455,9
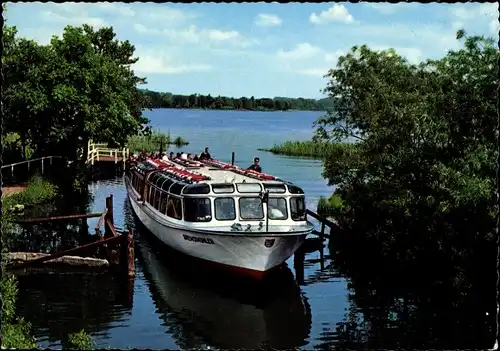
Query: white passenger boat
x,y
242,220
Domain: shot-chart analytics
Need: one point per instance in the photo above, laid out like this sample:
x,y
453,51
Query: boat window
x,y
151,194
160,180
158,196
163,203
174,207
277,208
223,188
225,209
197,210
166,184
196,189
249,187
275,188
176,188
298,208
153,178
293,189
251,208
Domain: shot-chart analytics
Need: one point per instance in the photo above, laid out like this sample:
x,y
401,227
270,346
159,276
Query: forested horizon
x,y
278,103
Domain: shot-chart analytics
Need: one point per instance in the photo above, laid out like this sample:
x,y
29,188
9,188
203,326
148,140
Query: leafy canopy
x,y
79,87
423,174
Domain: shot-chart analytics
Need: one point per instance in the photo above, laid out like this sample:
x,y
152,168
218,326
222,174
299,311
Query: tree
x,y
79,87
420,184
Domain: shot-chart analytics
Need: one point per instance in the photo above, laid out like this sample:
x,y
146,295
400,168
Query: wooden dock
x,y
314,244
118,247
99,152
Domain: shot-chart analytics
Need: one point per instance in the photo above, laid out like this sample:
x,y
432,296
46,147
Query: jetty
x,y
116,248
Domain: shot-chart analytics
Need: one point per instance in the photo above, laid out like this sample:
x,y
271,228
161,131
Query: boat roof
x,y
209,172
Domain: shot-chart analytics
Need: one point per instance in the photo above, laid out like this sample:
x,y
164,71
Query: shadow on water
x,y
200,309
413,308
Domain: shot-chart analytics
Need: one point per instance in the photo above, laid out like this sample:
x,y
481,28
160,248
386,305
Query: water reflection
x,y
416,309
201,310
60,304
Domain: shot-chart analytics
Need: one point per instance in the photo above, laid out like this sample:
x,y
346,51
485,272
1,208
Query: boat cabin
x,y
217,197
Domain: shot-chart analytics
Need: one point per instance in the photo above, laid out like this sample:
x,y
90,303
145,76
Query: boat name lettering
x,y
198,240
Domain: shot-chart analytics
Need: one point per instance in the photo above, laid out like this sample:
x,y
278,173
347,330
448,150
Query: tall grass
x,y
307,148
151,143
37,191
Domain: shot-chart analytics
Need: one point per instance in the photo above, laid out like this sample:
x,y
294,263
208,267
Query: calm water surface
x,y
170,311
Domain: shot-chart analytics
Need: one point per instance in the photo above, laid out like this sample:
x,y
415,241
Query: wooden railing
x,y
42,159
98,150
324,223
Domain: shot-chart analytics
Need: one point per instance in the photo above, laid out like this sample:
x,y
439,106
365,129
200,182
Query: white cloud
x,y
389,8
301,51
336,13
464,15
150,64
218,35
267,20
116,8
54,17
194,35
333,56
307,60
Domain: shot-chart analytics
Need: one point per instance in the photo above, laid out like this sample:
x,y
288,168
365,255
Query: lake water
x,y
164,309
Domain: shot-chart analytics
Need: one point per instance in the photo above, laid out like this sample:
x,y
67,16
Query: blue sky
x,y
259,49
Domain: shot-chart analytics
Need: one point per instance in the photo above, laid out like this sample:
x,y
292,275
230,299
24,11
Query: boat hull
x,y
242,254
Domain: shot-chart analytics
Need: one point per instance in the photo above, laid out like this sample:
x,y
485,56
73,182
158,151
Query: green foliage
x,y
167,100
15,148
79,87
330,207
38,191
79,341
315,149
16,333
152,140
419,184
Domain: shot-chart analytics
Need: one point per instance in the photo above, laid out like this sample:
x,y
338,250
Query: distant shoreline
x,y
231,109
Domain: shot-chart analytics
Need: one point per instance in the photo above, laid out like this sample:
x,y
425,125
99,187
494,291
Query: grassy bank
x,y
152,142
16,332
307,148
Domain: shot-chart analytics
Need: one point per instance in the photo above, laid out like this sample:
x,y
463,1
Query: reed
x,y
152,142
311,149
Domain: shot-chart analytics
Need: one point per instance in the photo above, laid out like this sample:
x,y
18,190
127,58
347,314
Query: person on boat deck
x,y
178,155
196,158
190,157
165,157
171,155
205,155
184,156
255,166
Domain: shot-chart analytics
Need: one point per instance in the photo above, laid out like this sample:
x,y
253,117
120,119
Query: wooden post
x,y
322,232
109,216
42,163
298,265
127,253
232,158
